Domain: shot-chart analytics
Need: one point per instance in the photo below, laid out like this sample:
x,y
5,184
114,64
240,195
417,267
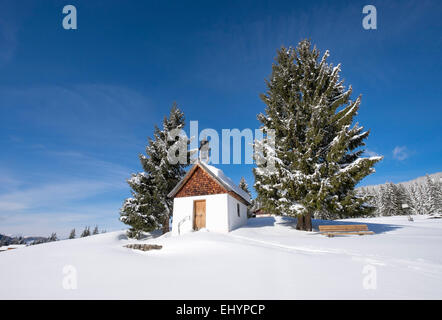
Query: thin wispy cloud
x,y
59,206
401,153
85,112
8,181
12,17
62,220
8,39
62,179
113,171
371,153
62,200
51,194
61,187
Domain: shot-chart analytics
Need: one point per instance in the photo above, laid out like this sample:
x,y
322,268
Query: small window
x,y
237,209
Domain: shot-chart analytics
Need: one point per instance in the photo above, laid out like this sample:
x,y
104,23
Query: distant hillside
x,y
437,177
4,238
7,240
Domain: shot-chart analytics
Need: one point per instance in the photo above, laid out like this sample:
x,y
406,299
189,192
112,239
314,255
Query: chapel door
x,y
199,219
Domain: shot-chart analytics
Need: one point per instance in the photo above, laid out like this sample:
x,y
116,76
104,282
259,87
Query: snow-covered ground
x,y
267,259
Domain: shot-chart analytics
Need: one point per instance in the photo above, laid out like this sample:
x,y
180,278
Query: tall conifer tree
x,y
149,208
433,196
318,155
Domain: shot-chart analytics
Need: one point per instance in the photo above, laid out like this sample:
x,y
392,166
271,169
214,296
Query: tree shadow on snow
x,y
151,235
145,236
375,227
122,236
270,221
260,222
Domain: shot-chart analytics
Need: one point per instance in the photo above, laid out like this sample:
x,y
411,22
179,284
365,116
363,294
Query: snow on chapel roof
x,y
219,176
226,180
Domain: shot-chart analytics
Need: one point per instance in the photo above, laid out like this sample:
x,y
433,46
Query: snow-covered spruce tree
x,y
370,198
149,208
72,234
438,189
95,231
317,154
86,232
382,200
389,201
417,202
403,199
377,202
433,196
243,185
53,237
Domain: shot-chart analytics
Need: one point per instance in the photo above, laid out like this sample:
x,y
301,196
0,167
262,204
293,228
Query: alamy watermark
x,y
70,20
369,22
258,145
69,277
369,281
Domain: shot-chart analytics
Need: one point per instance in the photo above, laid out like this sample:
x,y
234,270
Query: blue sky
x,y
76,106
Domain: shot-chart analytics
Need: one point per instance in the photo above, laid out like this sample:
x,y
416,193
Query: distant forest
x,y
420,196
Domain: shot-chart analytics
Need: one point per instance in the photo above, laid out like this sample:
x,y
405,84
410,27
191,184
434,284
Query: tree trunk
x,y
304,222
308,222
300,223
166,227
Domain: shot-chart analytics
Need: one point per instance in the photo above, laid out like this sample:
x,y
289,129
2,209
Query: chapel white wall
x,y
216,213
234,220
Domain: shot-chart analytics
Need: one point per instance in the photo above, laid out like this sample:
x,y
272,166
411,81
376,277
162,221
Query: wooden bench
x,y
332,230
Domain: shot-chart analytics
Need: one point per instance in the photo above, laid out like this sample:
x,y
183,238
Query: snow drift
x,y
267,259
